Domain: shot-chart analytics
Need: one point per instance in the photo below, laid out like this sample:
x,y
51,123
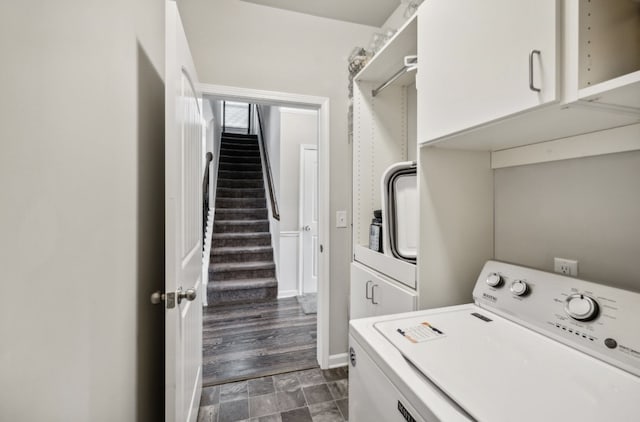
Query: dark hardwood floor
x,y
257,339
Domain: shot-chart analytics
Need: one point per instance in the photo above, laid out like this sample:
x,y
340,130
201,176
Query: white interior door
x,y
309,217
183,225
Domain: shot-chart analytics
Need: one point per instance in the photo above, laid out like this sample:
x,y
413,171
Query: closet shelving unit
x,y
381,284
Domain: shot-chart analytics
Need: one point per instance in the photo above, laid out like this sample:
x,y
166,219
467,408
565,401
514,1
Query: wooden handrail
x,y
275,212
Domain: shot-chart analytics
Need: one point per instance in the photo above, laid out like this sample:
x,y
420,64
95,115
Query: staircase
x,y
241,267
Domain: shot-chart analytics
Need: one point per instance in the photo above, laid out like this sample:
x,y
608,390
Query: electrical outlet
x,y
565,266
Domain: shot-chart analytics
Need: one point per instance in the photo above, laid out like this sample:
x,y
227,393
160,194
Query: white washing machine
x,y
534,346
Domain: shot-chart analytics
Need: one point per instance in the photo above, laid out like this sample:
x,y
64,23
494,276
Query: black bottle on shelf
x,y
375,231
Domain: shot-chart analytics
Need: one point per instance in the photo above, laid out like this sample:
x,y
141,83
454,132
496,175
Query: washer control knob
x,y
494,280
519,288
581,307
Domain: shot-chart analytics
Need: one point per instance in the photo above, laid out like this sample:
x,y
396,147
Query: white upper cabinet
x,y
484,60
499,74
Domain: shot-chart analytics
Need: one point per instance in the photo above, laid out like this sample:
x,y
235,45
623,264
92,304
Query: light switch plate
x,y
341,219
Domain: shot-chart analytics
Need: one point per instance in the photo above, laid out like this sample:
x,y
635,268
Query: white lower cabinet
x,y
374,294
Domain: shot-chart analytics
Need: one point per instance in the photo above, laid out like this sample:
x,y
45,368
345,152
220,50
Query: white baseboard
x,y
341,359
287,293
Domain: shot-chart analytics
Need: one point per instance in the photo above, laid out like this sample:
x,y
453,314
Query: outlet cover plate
x,y
565,266
341,219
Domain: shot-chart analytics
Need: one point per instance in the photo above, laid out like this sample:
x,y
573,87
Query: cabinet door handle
x,y
373,289
531,85
366,289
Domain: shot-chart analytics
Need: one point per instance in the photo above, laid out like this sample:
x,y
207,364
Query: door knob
x,y
306,228
159,297
189,294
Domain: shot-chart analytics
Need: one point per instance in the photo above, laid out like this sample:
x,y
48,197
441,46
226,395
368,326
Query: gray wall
x,y
586,209
242,44
81,221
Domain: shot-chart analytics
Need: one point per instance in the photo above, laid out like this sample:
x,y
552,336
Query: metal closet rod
x,y
391,80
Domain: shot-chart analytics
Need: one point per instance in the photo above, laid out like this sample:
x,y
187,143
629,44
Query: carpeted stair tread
x,y
241,214
226,135
242,226
239,152
240,192
240,235
231,223
240,144
241,202
241,166
239,159
240,249
240,266
235,174
250,283
241,239
240,183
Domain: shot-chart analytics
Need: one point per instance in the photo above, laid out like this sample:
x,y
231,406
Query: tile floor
x,y
312,395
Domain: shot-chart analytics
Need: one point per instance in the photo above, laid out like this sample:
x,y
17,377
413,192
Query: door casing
x,y
321,104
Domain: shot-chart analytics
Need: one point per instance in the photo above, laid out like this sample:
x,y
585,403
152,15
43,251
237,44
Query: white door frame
x,y
303,147
321,104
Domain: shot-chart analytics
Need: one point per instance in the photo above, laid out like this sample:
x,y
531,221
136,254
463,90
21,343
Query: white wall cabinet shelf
x,y
390,58
373,294
596,73
619,94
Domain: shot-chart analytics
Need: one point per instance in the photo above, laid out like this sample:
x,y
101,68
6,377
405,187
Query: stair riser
x,y
242,257
240,193
259,214
248,242
239,296
240,167
223,227
240,175
240,183
239,159
248,145
239,152
239,136
241,274
241,203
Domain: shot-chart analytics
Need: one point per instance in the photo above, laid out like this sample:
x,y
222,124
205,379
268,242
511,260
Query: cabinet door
x,y
476,60
387,298
360,302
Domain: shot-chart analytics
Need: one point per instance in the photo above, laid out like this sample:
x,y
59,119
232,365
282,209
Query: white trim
x,y
322,104
298,236
303,147
287,293
340,359
297,110
621,139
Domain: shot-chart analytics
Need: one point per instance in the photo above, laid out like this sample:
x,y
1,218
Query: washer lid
x,y
497,370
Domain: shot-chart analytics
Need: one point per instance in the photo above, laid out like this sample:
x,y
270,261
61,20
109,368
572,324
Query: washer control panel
x,y
597,319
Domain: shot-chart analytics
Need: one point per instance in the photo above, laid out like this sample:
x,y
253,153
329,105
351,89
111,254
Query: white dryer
x,y
534,346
